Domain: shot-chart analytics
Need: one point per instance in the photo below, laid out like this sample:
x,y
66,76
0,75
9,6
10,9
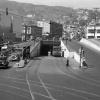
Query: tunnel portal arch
x,y
45,47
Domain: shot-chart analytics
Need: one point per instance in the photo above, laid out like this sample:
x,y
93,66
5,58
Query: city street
x,y
92,58
47,78
49,50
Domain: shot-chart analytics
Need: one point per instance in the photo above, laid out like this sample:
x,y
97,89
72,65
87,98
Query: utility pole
x,y
95,18
81,52
25,32
11,26
0,16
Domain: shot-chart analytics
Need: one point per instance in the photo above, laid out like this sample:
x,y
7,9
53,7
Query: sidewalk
x,y
21,64
73,64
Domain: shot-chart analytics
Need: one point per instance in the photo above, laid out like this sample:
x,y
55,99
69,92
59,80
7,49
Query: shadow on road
x,y
7,67
36,58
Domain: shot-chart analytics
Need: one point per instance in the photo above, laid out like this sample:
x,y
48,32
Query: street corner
x,y
73,64
19,64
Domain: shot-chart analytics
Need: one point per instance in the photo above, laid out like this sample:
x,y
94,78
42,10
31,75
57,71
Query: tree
x,y
83,22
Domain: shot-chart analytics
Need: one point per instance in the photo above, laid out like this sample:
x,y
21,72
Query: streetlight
x,y
11,26
81,52
25,31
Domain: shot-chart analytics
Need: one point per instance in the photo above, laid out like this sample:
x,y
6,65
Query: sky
x,y
66,3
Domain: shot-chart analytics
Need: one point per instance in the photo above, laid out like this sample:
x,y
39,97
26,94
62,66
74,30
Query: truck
x,y
4,53
56,51
57,48
3,60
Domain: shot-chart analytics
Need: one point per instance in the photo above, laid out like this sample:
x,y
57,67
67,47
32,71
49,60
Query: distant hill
x,y
40,11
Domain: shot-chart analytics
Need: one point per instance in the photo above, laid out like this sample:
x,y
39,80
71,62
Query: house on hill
x,y
93,31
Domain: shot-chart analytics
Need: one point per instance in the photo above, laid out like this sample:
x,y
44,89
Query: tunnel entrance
x,y
45,48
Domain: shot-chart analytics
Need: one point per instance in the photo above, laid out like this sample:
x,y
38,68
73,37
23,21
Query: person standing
x,y
67,63
84,64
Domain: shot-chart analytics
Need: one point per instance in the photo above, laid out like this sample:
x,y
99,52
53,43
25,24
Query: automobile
x,y
3,61
20,64
14,57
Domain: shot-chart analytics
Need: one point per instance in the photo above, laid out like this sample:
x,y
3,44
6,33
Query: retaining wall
x,y
35,50
90,44
67,53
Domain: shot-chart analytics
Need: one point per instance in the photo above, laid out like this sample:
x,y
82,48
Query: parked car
x,y
14,57
3,61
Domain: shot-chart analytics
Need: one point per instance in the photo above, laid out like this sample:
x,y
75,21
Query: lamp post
x,y
25,31
11,26
81,52
80,57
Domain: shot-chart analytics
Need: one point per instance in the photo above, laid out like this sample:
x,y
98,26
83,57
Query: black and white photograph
x,y
49,49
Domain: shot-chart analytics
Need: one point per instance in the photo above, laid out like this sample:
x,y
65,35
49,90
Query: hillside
x,y
40,11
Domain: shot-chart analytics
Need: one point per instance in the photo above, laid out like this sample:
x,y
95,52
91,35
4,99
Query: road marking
x,y
22,90
57,86
70,93
91,79
62,87
41,94
90,83
13,93
76,90
72,89
14,87
33,98
81,90
43,84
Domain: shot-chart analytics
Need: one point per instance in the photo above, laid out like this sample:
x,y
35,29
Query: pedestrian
x,y
25,61
67,63
84,62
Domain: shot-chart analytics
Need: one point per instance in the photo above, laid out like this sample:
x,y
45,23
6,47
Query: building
x,y
82,14
36,31
56,29
26,30
30,32
45,26
93,31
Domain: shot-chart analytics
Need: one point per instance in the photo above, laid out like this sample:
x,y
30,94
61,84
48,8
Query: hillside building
x,y
45,26
30,32
93,31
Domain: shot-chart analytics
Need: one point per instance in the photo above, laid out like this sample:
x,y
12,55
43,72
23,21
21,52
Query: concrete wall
x,y
67,53
45,26
64,48
35,50
90,44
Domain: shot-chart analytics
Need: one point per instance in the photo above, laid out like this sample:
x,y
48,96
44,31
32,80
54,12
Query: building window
x,y
98,31
91,30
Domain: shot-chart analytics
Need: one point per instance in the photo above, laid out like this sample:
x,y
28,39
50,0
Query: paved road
x,y
92,59
47,78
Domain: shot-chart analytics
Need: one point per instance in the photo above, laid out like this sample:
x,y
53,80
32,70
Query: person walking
x,y
84,64
67,63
